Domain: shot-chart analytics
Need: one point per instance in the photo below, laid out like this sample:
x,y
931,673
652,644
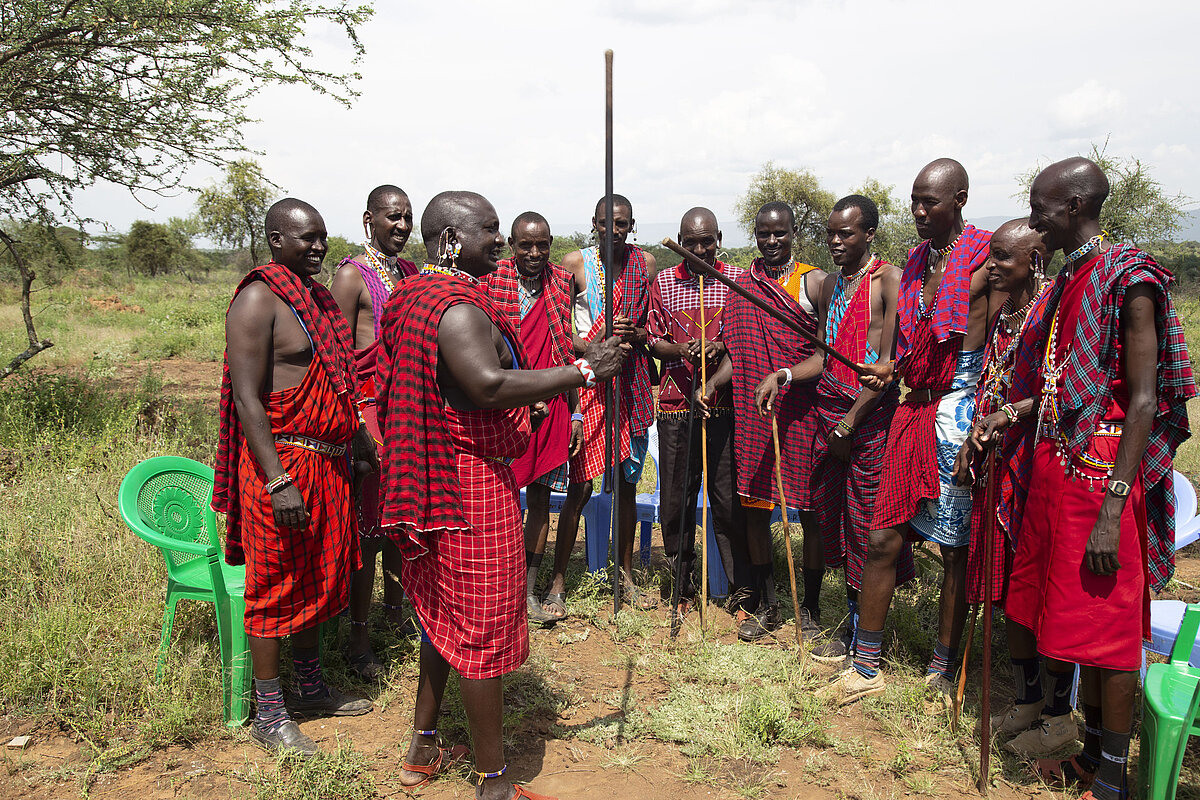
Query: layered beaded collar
x,y
453,272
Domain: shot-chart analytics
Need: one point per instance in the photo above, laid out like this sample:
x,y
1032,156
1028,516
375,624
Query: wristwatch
x,y
1119,488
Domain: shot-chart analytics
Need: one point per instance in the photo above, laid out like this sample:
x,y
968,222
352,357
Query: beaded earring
x,y
1039,268
446,251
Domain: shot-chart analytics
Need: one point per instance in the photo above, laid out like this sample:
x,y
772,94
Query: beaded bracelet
x,y
274,486
1010,411
844,428
585,369
483,776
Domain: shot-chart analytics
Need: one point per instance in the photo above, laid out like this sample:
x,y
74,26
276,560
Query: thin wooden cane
x,y
613,416
962,672
787,532
985,722
703,470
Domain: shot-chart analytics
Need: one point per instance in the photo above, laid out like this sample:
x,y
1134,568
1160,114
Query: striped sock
x,y
1110,778
942,661
270,712
1092,731
868,648
308,673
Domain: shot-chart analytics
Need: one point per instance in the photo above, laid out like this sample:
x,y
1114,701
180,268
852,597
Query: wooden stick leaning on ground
x,y
962,672
985,710
702,268
687,517
703,469
787,533
612,431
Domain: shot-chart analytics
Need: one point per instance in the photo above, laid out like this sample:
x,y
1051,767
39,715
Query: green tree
x,y
135,91
153,249
810,201
895,235
232,212
1138,209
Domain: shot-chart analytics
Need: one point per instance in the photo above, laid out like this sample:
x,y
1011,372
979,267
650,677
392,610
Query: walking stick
x,y
787,532
703,469
687,517
989,528
612,445
701,267
962,672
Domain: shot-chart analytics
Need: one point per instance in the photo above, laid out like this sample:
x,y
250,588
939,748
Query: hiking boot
x,y
810,627
850,685
1019,717
1051,734
943,692
332,704
284,740
760,624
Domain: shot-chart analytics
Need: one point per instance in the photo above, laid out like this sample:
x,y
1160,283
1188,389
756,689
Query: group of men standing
x,y
411,403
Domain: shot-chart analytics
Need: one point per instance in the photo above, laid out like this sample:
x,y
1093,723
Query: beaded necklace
x,y
850,285
1008,318
453,272
1086,248
380,263
998,371
936,256
781,273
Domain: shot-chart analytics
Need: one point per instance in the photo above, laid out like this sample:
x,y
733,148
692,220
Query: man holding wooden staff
x,y
1099,393
760,345
674,335
942,321
857,315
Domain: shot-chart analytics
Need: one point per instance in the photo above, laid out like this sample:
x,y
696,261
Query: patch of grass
x,y
341,775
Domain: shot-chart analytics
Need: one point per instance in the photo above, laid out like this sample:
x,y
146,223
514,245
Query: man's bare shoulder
x,y
347,281
651,265
257,298
573,263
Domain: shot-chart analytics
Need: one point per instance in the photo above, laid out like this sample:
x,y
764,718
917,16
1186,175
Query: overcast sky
x,y
507,99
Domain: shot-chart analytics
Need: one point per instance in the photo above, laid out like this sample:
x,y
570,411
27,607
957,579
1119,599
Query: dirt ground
x,y
593,667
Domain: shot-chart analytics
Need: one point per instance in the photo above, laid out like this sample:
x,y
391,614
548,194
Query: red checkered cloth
x,y
910,469
849,336
333,348
298,578
630,299
759,345
468,589
675,317
422,489
952,306
559,286
1087,390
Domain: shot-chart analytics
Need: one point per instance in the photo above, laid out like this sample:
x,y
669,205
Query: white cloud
x,y
1089,105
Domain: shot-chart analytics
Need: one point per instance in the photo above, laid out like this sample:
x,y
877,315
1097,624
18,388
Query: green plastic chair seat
x,y
1170,703
167,502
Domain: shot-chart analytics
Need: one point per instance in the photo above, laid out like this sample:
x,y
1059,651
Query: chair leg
x,y
165,639
241,668
644,547
1160,736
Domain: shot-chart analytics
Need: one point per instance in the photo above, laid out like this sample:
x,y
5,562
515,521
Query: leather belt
x,y
925,395
313,445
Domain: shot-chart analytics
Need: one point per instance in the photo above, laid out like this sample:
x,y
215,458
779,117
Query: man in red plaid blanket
x,y
456,396
361,286
537,296
1099,397
942,322
631,293
282,476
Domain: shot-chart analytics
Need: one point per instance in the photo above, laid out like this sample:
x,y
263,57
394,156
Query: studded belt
x,y
312,445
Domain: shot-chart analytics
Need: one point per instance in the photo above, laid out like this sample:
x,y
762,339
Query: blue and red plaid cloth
x,y
1087,393
953,303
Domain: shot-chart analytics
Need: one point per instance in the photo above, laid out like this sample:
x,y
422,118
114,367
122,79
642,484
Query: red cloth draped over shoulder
x,y
422,489
333,347
759,345
501,287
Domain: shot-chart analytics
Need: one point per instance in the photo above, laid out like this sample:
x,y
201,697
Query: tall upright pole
x,y
613,437
703,468
985,698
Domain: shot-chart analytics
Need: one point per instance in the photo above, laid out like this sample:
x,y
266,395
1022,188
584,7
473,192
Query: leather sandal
x,y
537,614
521,791
1054,772
445,759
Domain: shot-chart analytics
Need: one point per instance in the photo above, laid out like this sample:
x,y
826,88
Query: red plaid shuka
x,y
759,345
952,306
333,350
421,484
1086,392
630,299
559,285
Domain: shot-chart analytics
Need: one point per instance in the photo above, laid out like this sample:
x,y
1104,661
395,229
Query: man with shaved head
x,y
282,476
942,323
674,332
361,285
537,294
457,392
631,290
1098,407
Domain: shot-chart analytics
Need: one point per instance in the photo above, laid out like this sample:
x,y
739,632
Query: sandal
x,y
521,791
558,602
1060,772
366,665
456,754
636,598
537,614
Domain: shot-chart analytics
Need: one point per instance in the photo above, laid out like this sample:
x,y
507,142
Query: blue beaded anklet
x,y
425,733
483,776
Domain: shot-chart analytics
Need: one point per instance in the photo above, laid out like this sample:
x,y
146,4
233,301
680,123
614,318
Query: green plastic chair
x,y
1170,702
167,502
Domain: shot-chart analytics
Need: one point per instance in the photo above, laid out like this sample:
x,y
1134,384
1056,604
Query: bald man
x,y
1099,398
942,323
361,285
456,397
674,335
282,475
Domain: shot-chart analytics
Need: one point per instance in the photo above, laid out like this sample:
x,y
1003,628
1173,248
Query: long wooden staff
x,y
703,468
702,268
787,532
687,516
962,672
989,528
612,443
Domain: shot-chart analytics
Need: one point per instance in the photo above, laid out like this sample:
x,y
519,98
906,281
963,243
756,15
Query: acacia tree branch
x,y
27,275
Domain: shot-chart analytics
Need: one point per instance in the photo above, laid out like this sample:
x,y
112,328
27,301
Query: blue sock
x,y
869,647
308,673
1061,684
1027,680
270,713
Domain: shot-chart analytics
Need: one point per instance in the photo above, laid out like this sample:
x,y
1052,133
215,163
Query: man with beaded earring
x,y
857,315
1039,723
361,287
1099,397
457,401
537,296
942,324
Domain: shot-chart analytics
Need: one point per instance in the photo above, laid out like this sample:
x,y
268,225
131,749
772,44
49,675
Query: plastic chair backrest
x,y
652,453
1181,651
1185,499
167,502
